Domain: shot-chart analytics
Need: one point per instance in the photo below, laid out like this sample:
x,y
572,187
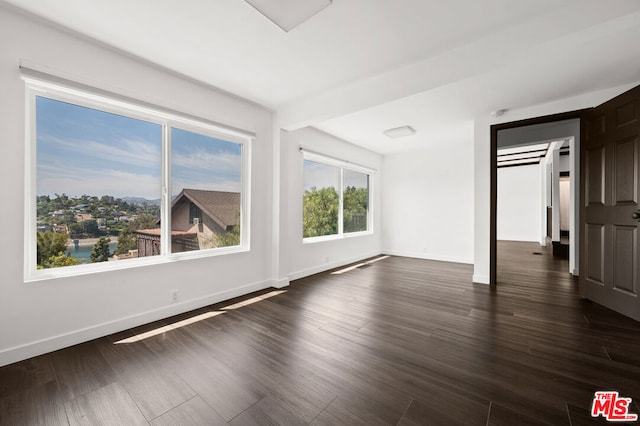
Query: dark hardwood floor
x,y
395,342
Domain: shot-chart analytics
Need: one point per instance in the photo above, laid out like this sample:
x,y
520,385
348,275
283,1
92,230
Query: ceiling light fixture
x,y
288,14
400,132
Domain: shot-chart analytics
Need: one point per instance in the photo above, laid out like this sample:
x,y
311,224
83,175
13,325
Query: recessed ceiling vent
x,y
400,132
288,14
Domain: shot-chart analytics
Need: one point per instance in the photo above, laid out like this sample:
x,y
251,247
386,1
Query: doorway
x,y
553,127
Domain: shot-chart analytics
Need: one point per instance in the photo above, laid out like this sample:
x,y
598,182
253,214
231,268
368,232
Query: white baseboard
x,y
280,283
481,279
430,256
29,350
327,266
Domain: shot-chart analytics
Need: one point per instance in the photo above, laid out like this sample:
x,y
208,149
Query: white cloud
x,y
221,163
222,185
104,182
127,151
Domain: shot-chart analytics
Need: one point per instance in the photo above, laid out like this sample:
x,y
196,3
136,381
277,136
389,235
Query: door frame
x,y
493,217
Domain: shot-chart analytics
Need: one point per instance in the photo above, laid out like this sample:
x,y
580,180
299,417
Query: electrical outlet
x,y
174,296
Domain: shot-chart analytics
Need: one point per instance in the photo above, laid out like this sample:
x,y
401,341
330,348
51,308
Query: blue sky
x,y
85,151
203,162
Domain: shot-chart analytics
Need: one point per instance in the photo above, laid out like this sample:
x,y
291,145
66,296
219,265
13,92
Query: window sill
x,y
96,268
324,238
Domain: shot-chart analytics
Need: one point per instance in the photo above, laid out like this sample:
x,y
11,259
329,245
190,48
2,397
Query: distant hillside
x,y
140,201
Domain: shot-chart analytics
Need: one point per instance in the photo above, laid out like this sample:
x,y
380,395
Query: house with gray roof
x,y
197,217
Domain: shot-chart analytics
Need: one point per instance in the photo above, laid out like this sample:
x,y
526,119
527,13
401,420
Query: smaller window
x,y
195,214
336,198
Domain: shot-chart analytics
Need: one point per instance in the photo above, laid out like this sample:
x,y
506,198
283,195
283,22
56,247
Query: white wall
x,y
428,203
565,201
555,195
300,259
41,316
545,201
561,163
482,163
519,196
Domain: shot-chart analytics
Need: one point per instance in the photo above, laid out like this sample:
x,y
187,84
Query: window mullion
x,y
341,203
165,212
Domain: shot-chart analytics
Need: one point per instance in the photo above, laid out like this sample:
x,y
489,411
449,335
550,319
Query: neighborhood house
x,y
198,219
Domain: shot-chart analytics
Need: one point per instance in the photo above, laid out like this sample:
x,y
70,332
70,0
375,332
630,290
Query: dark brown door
x,y
609,216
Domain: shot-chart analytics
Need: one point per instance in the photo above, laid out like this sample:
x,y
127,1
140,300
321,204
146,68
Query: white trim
x,y
245,196
481,279
327,266
574,205
341,203
429,256
49,344
102,267
31,217
281,283
335,237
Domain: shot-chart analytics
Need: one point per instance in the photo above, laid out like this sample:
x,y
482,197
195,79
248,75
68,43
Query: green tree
x,y
61,202
144,221
107,200
68,218
49,244
127,240
51,251
320,212
62,259
100,252
355,203
231,237
85,229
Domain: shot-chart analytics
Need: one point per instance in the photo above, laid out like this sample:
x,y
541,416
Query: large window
x,y
336,198
112,183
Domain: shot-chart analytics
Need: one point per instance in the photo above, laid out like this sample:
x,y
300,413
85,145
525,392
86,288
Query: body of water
x,y
83,252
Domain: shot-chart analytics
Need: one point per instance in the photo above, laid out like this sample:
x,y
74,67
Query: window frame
x,y
342,165
136,110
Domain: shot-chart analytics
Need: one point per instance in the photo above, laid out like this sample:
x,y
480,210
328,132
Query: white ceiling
x,y
359,67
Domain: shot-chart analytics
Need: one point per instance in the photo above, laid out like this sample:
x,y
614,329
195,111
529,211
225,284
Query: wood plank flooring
x,y
398,341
